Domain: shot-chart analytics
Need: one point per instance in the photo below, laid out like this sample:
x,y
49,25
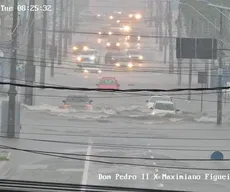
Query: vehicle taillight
x,y
88,106
65,106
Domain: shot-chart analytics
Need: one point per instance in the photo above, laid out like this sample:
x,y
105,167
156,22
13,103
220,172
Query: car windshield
x,y
76,99
117,54
134,52
88,52
164,106
107,82
159,98
123,59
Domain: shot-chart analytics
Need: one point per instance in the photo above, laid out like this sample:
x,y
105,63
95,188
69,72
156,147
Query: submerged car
x,y
164,107
152,100
80,102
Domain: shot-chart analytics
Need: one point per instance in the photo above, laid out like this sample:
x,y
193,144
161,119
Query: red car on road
x,y
108,83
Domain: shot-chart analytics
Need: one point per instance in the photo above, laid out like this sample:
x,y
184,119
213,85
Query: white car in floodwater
x,y
152,100
164,107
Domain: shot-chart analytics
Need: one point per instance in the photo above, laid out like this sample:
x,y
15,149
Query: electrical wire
x,y
127,137
132,147
110,157
119,163
73,187
111,90
72,63
118,128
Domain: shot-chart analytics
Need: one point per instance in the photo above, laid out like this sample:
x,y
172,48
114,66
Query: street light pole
x,y
43,55
220,74
12,91
53,47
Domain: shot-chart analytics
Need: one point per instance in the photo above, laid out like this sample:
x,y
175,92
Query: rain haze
x,y
125,95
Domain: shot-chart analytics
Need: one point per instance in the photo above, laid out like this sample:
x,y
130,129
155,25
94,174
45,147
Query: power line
x,y
118,163
111,90
132,147
70,187
117,128
110,157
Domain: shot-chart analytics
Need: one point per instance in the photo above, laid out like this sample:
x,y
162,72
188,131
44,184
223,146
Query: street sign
x,y
202,77
196,48
20,68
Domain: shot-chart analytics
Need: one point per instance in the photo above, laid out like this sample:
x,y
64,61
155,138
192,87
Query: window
x,y
108,82
77,99
159,98
134,52
88,53
165,106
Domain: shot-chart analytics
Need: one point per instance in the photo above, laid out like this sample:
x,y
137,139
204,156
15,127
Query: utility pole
x,y
220,73
30,68
150,13
179,60
171,57
160,26
157,20
190,63
53,47
166,34
71,21
66,28
12,91
60,34
43,52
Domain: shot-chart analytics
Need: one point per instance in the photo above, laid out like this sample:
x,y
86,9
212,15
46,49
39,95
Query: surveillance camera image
x,y
115,95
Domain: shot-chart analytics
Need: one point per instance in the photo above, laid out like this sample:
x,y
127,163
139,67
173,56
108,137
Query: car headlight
x,y
86,71
79,58
85,48
99,71
99,33
130,56
140,57
92,58
126,28
108,44
118,44
110,33
118,64
75,48
138,16
130,65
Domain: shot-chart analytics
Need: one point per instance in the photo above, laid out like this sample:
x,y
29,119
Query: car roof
x,y
90,50
166,102
76,95
116,53
108,78
133,50
160,96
